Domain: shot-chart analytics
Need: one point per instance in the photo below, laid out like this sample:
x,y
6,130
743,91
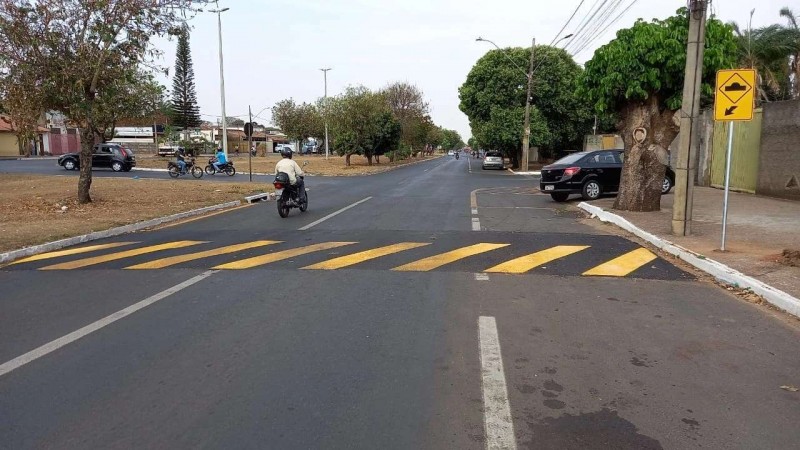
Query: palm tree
x,y
768,50
794,23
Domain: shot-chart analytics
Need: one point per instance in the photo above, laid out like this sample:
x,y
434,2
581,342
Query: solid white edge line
x,y
333,214
52,346
499,426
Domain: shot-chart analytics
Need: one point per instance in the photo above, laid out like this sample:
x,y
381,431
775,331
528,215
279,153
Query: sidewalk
x,y
759,229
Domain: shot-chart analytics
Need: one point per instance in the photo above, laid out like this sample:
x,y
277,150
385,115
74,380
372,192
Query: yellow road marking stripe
x,y
355,258
528,262
446,258
172,260
280,256
78,263
72,251
623,265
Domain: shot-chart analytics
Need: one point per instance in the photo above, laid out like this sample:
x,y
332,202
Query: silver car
x,y
493,160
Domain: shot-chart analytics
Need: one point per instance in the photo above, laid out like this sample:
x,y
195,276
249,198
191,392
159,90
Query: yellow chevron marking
x,y
120,255
435,261
355,258
528,262
172,260
72,251
280,256
623,265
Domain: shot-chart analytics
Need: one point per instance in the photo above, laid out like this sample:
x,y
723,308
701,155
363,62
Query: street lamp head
x,y
567,36
218,11
479,39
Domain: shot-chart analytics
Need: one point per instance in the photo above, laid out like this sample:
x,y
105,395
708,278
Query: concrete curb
x,y
262,196
716,269
534,173
147,169
55,245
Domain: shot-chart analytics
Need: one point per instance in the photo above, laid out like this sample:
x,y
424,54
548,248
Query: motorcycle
x,y
227,168
288,196
457,155
174,169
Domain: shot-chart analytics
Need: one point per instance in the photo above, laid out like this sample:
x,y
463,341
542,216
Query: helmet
x,y
286,152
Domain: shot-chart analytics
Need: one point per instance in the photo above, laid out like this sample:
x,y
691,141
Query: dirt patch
x,y
790,258
317,164
38,209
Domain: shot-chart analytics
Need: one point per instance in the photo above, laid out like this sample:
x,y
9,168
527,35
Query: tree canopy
x,y
362,123
299,122
494,93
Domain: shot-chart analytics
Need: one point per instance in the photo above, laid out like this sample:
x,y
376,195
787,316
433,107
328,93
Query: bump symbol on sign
x,y
735,88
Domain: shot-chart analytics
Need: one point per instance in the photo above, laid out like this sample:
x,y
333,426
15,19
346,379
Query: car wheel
x,y
70,165
591,190
116,166
560,196
666,186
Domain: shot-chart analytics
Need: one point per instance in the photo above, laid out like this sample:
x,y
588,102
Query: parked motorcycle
x,y
174,169
288,196
227,168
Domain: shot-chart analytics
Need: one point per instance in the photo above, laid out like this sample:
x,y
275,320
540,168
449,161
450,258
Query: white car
x,y
451,153
280,147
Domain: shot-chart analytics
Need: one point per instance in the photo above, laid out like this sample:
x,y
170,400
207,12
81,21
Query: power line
x,y
568,21
601,20
601,33
580,31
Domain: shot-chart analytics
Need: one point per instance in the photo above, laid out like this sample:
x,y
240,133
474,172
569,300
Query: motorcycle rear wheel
x,y
174,171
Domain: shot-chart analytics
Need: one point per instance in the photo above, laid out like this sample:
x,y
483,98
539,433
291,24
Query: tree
x,y
234,122
639,75
409,107
24,101
122,99
493,96
768,50
299,122
451,139
185,112
472,143
794,24
362,124
78,49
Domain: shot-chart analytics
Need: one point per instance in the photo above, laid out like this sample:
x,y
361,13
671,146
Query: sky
x,y
274,49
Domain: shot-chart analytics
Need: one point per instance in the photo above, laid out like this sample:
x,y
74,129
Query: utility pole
x,y
527,137
686,169
222,79
250,142
325,73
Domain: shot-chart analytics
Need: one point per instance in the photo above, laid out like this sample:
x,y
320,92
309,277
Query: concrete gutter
x,y
720,271
55,245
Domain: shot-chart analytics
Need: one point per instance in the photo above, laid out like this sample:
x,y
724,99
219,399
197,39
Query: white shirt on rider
x,y
289,167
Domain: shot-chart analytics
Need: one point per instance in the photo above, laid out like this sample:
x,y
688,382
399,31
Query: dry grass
x,y
317,164
32,205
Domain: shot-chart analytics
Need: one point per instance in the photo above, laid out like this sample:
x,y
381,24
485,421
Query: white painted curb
x,y
55,245
256,197
534,173
716,269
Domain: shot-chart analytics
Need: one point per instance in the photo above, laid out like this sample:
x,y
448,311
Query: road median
x,y
40,213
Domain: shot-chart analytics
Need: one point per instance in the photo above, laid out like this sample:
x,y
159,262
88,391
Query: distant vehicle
x,y
310,147
278,148
451,153
493,160
589,174
114,156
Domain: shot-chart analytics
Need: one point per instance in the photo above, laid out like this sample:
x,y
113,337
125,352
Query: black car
x,y
589,174
115,156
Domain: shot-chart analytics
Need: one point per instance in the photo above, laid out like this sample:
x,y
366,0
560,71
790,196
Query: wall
x,y
8,144
744,154
779,161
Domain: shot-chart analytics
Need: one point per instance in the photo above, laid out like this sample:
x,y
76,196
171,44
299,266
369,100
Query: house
x,y
10,145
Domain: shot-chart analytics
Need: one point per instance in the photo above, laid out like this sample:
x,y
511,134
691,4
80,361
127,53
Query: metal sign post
x,y
250,142
727,184
734,100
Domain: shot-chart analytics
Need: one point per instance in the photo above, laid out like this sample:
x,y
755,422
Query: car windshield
x,y
569,159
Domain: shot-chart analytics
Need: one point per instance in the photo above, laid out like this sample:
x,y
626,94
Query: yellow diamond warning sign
x,y
734,98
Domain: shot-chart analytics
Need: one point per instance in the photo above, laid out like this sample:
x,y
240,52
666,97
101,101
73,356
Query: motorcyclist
x,y
221,160
457,153
291,168
180,155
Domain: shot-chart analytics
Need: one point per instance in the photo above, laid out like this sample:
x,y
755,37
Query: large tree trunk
x,y
645,159
515,159
85,179
347,159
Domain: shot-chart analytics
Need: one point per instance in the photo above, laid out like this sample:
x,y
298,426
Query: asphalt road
x,y
452,308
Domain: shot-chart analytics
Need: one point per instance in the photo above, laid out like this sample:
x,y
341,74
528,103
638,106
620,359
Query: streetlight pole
x,y
222,80
325,74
